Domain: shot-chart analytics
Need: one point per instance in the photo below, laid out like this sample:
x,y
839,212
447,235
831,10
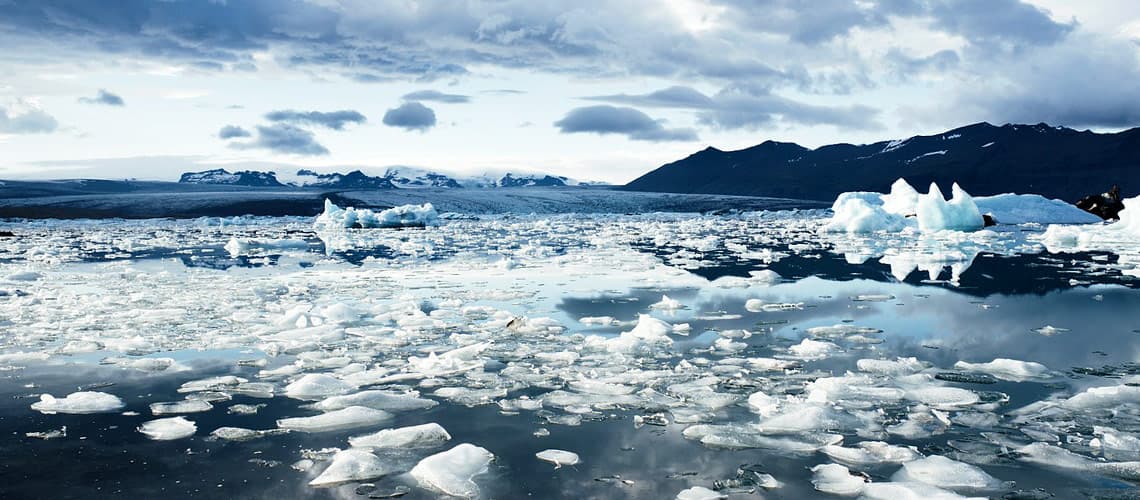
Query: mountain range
x,y
393,178
984,159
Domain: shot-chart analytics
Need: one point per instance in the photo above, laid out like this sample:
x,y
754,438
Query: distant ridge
x,y
985,159
394,177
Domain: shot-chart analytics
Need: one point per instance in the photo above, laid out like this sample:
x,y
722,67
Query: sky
x,y
590,89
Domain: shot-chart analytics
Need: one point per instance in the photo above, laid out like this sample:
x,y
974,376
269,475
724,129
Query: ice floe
x,y
401,216
82,402
416,436
167,429
346,418
352,465
452,472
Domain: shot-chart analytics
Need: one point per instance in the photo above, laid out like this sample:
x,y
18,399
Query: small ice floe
x,y
352,465
942,472
401,216
347,418
452,472
52,434
1007,369
872,453
1049,330
244,409
416,436
898,366
837,480
699,493
317,386
558,457
167,429
667,304
243,434
79,403
176,407
757,305
377,399
809,349
237,247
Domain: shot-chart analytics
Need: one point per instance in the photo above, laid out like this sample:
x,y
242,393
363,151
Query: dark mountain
x,y
510,180
352,180
221,176
984,159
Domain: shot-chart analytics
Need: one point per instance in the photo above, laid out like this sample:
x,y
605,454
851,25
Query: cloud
x,y
335,120
284,138
436,96
629,122
749,107
30,121
103,97
233,131
411,116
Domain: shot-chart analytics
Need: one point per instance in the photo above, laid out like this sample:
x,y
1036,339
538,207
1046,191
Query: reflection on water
x,y
549,309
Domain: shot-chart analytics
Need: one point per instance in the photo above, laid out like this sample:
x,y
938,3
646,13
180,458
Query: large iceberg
x,y
1126,231
401,216
904,207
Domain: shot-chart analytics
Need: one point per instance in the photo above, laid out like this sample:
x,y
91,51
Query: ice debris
x,y
166,429
79,403
416,436
352,465
452,472
346,418
558,457
401,216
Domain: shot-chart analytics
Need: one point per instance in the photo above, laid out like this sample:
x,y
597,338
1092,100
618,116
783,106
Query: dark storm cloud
x,y
411,116
436,96
33,121
749,107
629,122
103,97
335,120
991,21
232,131
284,138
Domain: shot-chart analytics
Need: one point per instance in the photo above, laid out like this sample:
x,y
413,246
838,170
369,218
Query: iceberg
x,y
416,436
352,465
347,418
558,457
452,472
401,216
904,207
166,429
79,403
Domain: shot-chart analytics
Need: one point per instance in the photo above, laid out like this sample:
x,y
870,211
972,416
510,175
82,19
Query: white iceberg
x,y
352,465
416,436
452,472
79,403
401,216
942,472
316,386
558,457
166,429
347,418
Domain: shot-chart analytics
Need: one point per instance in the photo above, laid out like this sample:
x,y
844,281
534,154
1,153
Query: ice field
x,y
779,354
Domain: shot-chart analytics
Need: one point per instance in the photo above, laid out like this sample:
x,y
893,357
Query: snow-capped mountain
x,y
239,178
393,177
1056,162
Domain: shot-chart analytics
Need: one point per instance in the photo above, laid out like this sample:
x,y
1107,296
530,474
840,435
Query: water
x,y
107,294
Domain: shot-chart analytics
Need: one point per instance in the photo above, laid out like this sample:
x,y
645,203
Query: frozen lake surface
x,y
565,356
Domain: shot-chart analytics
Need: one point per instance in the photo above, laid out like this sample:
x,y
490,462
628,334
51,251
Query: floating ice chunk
x,y
24,276
841,330
401,216
942,472
757,305
770,364
79,403
1126,231
452,362
1007,369
1049,330
943,397
650,332
934,213
221,383
379,400
902,199
837,480
352,465
598,387
667,304
451,472
872,452
763,404
558,457
1031,208
899,366
187,406
699,493
910,491
245,246
347,418
416,436
166,429
863,213
242,434
1054,456
316,386
809,349
1103,397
